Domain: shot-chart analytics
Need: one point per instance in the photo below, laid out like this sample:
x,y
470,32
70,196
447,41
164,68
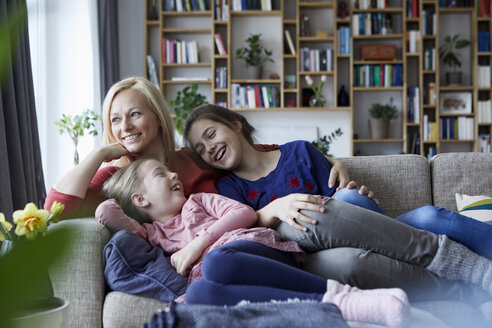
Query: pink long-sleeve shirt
x,y
217,218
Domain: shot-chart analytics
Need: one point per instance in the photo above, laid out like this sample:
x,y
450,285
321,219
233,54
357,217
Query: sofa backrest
x,y
400,182
465,173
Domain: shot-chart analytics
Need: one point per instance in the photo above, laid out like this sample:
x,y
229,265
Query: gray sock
x,y
455,261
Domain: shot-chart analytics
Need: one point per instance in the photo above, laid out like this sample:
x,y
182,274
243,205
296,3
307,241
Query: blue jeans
x,y
245,270
472,233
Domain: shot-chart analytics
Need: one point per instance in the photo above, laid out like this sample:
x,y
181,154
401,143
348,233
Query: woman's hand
x,y
363,190
113,151
183,259
288,208
338,173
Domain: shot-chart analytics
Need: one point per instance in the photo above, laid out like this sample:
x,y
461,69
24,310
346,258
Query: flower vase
x,y
317,101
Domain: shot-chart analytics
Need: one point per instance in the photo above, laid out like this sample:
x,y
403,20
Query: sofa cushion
x,y
134,266
476,207
465,173
400,182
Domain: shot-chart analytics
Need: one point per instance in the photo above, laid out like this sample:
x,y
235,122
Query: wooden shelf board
x,y
256,109
251,81
316,39
429,72
456,115
412,19
220,22
484,53
483,19
430,141
187,13
152,23
456,10
430,37
483,89
290,21
187,82
342,20
220,56
255,13
290,90
289,56
412,54
379,36
455,141
429,106
485,124
221,90
187,30
376,140
413,124
343,56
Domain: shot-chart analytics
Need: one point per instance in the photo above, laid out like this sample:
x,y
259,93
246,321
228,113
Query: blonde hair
x,y
122,185
158,105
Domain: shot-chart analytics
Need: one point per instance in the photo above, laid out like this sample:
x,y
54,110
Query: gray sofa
x,y
400,182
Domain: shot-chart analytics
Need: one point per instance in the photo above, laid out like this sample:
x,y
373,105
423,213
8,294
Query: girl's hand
x,y
338,173
183,259
363,190
288,208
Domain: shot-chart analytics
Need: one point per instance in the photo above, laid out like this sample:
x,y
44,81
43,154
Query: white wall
x,y
131,22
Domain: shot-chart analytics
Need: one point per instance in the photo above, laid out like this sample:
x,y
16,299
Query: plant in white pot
x,y
450,56
255,55
380,119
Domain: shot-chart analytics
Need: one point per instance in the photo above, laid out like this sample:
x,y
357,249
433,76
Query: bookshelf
x,y
412,26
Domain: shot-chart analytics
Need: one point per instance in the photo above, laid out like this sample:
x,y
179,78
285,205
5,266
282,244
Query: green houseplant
x,y
76,126
449,55
323,143
380,117
185,101
254,55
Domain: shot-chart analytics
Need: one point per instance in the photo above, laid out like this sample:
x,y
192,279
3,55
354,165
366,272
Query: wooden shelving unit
x,y
323,15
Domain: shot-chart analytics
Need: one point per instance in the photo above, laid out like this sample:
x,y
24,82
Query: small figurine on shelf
x,y
343,97
342,9
153,11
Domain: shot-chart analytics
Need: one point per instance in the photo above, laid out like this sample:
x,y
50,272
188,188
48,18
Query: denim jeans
x,y
472,233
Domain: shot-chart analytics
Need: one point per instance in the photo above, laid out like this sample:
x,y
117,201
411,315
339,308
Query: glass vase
x,y
317,101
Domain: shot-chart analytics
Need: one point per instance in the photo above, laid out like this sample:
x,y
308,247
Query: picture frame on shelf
x,y
455,103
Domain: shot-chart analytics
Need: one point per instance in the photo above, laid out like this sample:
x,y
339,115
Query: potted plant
x,y
323,143
76,126
449,55
185,101
380,117
255,55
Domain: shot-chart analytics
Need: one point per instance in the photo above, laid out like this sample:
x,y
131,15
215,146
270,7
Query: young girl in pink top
x,y
250,264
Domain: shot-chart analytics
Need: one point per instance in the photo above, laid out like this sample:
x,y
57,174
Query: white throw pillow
x,y
476,207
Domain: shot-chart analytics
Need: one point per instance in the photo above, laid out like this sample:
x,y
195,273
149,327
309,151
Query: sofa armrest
x,y
78,275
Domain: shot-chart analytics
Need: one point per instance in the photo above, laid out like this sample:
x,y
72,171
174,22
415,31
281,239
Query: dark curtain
x,y
21,172
109,59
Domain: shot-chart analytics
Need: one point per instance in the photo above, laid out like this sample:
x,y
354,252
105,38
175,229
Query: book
x,y
152,72
220,44
290,43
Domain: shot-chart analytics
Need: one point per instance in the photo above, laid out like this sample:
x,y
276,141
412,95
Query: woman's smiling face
x,y
217,144
134,124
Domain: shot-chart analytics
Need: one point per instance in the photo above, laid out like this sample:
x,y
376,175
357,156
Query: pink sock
x,y
381,308
336,287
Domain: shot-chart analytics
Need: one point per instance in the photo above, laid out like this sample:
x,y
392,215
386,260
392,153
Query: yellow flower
x,y
6,225
30,221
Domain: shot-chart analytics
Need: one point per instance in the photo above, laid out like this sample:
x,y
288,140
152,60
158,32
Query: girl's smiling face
x,y
134,124
217,144
162,190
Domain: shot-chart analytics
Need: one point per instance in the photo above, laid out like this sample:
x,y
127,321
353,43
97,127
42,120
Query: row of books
x,y
483,41
239,5
384,75
254,96
430,59
429,129
415,144
413,105
412,8
460,128
413,41
344,40
316,60
221,77
184,5
371,23
289,42
483,8
484,143
456,3
179,52
484,111
370,4
483,76
429,23
221,10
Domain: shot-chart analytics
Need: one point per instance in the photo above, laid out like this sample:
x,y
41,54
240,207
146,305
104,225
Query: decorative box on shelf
x,y
378,52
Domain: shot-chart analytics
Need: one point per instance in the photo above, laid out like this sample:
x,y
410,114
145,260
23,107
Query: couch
x,y
400,182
